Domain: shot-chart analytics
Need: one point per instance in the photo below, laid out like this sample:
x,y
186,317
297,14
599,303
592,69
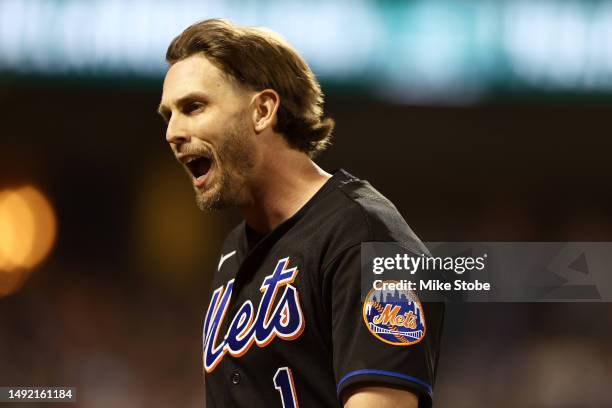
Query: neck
x,y
284,185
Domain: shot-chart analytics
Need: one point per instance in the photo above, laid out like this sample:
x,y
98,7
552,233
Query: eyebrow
x,y
190,97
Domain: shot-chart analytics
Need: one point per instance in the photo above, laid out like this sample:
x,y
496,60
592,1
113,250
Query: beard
x,y
232,166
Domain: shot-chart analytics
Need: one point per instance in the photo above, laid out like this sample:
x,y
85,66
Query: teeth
x,y
189,159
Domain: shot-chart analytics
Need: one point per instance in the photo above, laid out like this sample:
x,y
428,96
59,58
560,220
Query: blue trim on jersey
x,y
386,373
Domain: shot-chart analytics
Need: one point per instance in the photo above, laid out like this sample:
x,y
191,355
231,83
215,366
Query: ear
x,y
266,104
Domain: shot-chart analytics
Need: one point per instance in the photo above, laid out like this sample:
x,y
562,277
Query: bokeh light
x,y
27,233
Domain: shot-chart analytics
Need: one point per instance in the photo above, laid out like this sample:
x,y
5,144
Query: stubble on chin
x,y
212,200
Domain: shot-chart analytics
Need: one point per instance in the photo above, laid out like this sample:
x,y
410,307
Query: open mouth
x,y
199,167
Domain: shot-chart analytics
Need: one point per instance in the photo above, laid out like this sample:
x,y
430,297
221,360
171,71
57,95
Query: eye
x,y
193,107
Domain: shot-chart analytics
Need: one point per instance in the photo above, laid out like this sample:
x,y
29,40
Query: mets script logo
x,y
286,321
394,316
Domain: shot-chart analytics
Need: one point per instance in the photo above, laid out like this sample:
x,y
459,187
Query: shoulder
x,y
377,213
355,212
351,212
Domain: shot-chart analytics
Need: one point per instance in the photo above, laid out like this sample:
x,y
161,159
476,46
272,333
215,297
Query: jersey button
x,y
235,378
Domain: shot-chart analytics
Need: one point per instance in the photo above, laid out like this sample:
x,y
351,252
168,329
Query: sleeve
x,y
384,337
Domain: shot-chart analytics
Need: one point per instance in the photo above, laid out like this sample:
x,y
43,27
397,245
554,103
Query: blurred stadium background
x,y
481,120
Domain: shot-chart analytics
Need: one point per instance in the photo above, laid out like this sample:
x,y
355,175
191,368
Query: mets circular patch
x,y
394,316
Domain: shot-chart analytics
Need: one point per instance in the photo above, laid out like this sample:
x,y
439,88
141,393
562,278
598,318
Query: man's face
x,y
209,131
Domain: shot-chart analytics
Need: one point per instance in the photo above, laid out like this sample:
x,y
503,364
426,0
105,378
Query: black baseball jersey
x,y
286,325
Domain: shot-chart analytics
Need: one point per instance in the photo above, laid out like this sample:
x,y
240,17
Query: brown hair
x,y
259,59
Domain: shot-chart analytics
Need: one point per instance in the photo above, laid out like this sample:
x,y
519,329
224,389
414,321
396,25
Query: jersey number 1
x,y
283,382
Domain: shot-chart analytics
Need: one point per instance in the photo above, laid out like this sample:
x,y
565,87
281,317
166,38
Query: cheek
x,y
216,129
203,129
204,125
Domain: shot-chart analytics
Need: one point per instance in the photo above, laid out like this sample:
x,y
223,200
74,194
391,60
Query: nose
x,y
175,133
